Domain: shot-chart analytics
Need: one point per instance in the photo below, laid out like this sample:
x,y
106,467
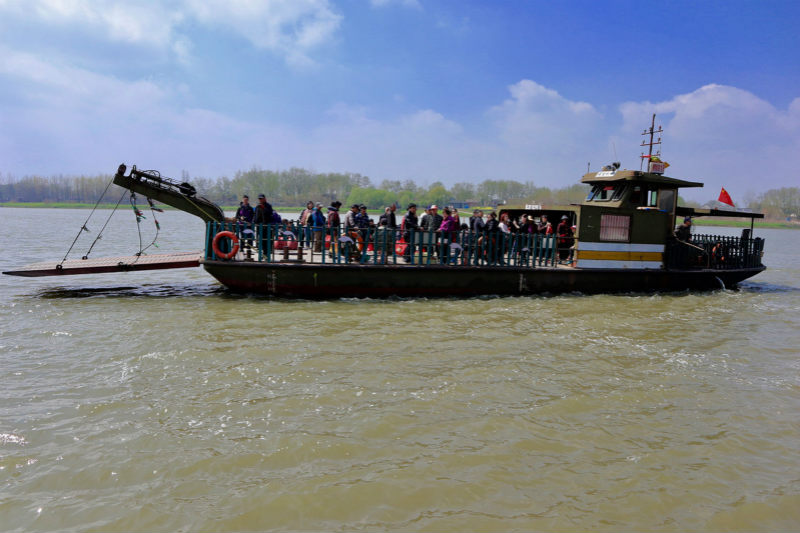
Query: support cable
x,y
83,227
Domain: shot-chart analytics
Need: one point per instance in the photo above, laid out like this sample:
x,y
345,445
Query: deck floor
x,y
109,264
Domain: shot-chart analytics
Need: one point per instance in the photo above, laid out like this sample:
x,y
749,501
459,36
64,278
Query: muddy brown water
x,y
157,401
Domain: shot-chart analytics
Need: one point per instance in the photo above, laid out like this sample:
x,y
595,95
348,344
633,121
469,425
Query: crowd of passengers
x,y
447,226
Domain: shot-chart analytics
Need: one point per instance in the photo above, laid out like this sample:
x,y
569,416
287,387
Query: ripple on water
x,y
176,405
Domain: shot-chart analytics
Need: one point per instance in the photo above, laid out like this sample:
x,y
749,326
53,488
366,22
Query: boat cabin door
x,y
667,201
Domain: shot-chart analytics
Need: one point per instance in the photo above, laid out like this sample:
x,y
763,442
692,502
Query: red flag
x,y
725,198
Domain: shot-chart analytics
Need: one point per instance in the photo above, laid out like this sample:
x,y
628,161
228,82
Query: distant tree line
x,y
777,203
295,187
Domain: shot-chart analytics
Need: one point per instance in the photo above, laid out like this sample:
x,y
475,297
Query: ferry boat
x,y
623,241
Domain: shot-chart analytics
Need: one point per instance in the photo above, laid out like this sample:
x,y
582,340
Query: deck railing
x,y
716,252
382,246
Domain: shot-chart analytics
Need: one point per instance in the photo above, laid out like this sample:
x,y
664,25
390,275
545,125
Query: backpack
x,y
276,218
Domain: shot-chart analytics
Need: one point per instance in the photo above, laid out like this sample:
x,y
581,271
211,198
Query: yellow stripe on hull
x,y
620,256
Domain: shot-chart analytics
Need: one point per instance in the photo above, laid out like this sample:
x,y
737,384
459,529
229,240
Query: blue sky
x,y
402,89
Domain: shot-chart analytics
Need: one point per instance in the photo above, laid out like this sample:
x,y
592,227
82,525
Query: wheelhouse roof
x,y
638,177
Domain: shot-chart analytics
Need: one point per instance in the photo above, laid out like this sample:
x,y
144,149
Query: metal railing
x,y
715,252
293,242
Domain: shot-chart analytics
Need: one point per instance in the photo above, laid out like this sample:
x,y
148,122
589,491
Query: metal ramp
x,y
103,265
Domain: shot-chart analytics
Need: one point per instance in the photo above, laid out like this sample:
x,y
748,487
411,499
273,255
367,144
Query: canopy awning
x,y
692,212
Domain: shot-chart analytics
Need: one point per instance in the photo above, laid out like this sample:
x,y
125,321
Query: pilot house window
x,y
615,228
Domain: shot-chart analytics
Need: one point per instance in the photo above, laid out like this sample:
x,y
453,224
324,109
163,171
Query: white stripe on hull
x,y
619,247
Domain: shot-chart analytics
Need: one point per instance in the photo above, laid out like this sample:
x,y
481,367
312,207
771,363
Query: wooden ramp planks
x,y
103,265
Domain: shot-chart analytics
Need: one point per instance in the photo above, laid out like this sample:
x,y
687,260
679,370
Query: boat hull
x,y
367,281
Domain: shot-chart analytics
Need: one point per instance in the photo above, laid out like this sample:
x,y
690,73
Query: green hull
x,y
368,281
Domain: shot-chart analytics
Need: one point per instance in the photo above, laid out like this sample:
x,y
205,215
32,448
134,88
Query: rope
x,y
83,227
139,217
100,235
200,208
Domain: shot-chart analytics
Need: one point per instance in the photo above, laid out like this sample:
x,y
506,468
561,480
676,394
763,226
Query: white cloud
x,y
537,116
290,28
150,23
66,119
724,136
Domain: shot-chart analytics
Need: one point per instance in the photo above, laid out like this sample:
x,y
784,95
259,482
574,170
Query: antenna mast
x,y
651,132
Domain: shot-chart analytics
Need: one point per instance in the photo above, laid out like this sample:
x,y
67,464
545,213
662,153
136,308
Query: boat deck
x,y
109,264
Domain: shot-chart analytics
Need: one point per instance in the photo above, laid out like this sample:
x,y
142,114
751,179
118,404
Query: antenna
x,y
614,145
651,132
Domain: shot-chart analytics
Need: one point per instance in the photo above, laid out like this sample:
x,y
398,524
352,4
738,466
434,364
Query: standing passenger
x,y
332,231
564,233
317,223
305,223
383,220
490,241
263,214
245,212
410,220
448,230
542,226
333,216
350,218
423,221
306,213
684,231
409,228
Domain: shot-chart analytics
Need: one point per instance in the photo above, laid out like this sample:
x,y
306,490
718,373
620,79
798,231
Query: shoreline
x,y
700,221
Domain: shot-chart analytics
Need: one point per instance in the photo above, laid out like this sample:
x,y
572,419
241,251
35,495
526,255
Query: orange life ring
x,y
215,244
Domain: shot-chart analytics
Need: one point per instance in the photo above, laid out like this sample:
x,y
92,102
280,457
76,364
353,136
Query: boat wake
x,y
756,287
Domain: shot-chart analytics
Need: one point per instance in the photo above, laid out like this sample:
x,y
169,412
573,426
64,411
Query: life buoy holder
x,y
215,244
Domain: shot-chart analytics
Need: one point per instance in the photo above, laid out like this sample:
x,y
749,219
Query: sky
x,y
451,90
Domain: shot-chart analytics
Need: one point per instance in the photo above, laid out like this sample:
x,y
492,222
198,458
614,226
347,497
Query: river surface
x,y
157,401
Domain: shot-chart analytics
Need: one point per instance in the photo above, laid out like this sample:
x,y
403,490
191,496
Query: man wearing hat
x,y
684,231
564,232
263,214
333,225
410,220
433,221
362,218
